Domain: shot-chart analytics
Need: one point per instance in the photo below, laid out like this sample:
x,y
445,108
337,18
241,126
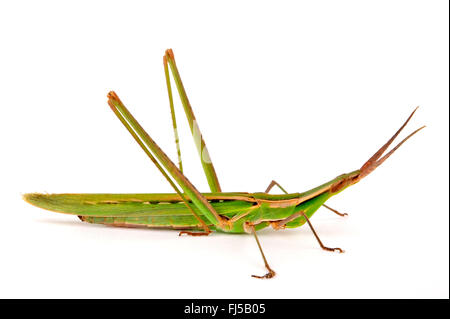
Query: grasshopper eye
x,y
339,186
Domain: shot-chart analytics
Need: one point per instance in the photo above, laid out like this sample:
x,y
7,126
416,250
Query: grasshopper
x,y
199,214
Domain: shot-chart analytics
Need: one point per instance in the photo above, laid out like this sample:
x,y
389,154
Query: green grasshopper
x,y
194,213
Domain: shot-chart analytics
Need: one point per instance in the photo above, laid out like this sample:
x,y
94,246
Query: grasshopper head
x,y
345,180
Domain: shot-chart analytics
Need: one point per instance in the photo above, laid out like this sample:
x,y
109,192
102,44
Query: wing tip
x,y
31,198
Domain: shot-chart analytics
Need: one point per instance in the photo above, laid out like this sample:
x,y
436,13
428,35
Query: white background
x,y
295,91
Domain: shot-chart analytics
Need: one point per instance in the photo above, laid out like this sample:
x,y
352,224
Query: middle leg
x,y
270,273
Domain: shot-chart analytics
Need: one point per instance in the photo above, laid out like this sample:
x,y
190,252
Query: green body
x,y
168,211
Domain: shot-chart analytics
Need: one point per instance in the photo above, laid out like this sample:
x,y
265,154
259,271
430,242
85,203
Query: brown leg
x,y
335,211
317,237
191,233
270,273
272,184
281,224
